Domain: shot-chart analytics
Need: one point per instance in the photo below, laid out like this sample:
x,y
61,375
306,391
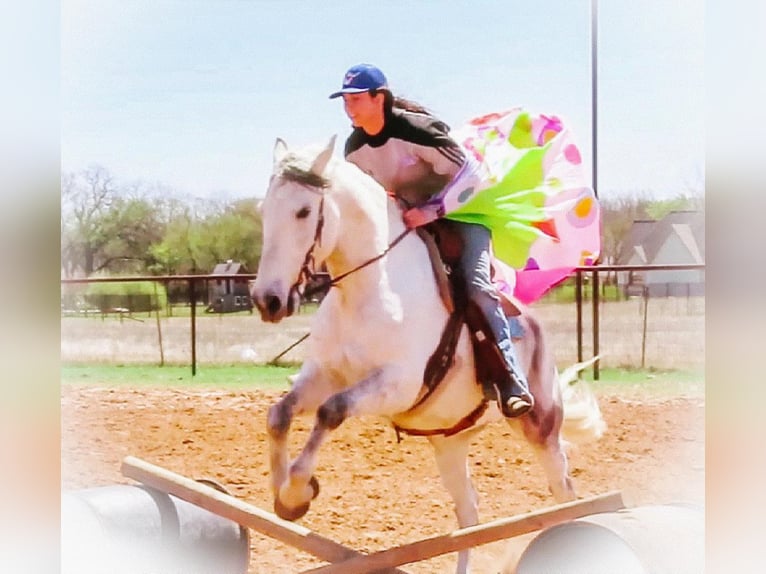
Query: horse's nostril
x,y
273,304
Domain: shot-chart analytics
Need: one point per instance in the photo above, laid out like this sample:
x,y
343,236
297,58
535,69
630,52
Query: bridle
x,y
308,268
308,272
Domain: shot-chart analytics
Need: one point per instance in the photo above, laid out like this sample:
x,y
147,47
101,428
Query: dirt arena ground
x,y
375,493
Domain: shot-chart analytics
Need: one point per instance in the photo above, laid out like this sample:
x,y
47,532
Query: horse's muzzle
x,y
274,305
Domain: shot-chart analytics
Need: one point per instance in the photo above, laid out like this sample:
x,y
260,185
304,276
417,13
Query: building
x,y
678,238
227,295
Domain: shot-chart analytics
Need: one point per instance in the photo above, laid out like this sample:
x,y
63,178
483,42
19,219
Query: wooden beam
x,y
475,535
234,509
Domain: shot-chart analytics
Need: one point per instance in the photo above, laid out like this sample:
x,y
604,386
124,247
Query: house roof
x,y
637,237
646,237
229,268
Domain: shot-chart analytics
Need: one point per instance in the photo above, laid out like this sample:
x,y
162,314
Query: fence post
x,y
578,300
643,333
595,301
193,301
159,324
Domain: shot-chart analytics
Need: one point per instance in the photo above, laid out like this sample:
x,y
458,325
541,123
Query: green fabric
x,y
510,208
531,192
521,133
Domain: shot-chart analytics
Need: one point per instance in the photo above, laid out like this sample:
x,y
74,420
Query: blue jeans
x,y
475,265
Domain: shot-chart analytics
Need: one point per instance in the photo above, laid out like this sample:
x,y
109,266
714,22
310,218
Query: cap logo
x,y
350,76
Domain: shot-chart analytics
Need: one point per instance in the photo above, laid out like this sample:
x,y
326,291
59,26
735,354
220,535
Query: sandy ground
x,y
376,493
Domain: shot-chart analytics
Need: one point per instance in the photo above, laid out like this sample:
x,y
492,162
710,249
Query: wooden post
x,y
234,509
643,330
159,324
475,535
596,301
578,300
193,301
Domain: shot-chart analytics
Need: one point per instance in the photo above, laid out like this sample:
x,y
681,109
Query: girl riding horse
x,y
411,154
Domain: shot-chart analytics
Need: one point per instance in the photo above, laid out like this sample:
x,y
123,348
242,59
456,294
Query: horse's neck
x,y
368,222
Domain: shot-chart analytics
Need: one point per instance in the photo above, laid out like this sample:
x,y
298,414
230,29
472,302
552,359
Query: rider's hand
x,y
415,217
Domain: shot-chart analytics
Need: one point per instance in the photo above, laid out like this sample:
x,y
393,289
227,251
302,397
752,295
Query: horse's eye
x,y
303,213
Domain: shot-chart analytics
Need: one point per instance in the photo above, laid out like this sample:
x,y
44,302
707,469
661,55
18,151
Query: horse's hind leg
x,y
553,459
542,425
452,460
542,429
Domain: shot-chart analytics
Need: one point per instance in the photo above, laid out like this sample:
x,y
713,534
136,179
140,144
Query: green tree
x,y
234,233
136,229
201,237
132,227
174,254
659,209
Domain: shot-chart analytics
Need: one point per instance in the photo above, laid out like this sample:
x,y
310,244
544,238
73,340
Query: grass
x,y
566,293
663,383
231,377
654,382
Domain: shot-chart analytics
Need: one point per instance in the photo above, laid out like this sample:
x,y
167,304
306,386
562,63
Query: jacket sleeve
x,y
443,154
446,158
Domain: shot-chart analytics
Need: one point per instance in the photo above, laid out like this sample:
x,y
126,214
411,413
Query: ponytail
x,y
391,101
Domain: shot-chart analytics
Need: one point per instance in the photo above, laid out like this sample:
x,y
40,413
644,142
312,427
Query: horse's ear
x,y
280,149
321,161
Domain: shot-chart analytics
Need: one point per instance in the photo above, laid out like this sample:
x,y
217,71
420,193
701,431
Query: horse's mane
x,y
297,168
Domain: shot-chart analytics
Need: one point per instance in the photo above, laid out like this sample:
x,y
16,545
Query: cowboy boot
x,y
512,399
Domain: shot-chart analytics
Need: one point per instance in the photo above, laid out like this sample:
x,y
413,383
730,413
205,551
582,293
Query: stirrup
x,y
512,407
515,407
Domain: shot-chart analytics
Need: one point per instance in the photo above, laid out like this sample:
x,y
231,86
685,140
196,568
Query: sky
x,y
192,94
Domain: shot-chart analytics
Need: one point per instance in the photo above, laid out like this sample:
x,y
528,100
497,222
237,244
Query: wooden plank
x,y
235,509
475,535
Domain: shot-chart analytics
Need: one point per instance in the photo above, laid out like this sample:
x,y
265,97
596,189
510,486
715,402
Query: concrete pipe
x,y
661,539
140,530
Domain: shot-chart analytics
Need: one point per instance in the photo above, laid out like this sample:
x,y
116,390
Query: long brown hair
x,y
391,101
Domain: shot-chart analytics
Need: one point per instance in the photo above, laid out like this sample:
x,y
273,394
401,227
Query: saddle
x,y
445,248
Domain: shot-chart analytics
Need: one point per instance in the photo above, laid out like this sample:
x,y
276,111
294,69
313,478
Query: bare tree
x,y
85,200
618,215
139,228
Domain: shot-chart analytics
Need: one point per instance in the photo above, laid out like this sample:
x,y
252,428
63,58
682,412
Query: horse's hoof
x,y
291,514
314,484
295,513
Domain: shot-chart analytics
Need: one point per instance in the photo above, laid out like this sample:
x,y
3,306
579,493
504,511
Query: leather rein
x,y
308,272
308,269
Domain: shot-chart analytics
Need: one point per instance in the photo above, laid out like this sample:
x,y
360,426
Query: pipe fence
x,y
626,328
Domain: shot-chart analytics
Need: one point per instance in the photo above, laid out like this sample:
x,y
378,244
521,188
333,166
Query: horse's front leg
x,y
279,419
308,392
375,395
452,460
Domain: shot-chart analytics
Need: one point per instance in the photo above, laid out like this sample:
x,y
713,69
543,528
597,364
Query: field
x,y
377,492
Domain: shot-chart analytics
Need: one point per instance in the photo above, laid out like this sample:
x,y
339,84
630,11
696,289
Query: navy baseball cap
x,y
361,78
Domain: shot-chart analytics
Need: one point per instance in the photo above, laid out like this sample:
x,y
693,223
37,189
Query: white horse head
x,y
293,207
374,333
302,223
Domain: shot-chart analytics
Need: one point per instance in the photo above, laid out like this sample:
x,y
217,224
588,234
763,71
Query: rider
x,y
411,154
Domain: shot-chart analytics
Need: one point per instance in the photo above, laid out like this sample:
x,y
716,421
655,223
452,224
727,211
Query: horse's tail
x,y
583,422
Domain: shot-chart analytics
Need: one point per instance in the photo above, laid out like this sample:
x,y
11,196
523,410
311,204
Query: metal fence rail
x,y
197,286
595,272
